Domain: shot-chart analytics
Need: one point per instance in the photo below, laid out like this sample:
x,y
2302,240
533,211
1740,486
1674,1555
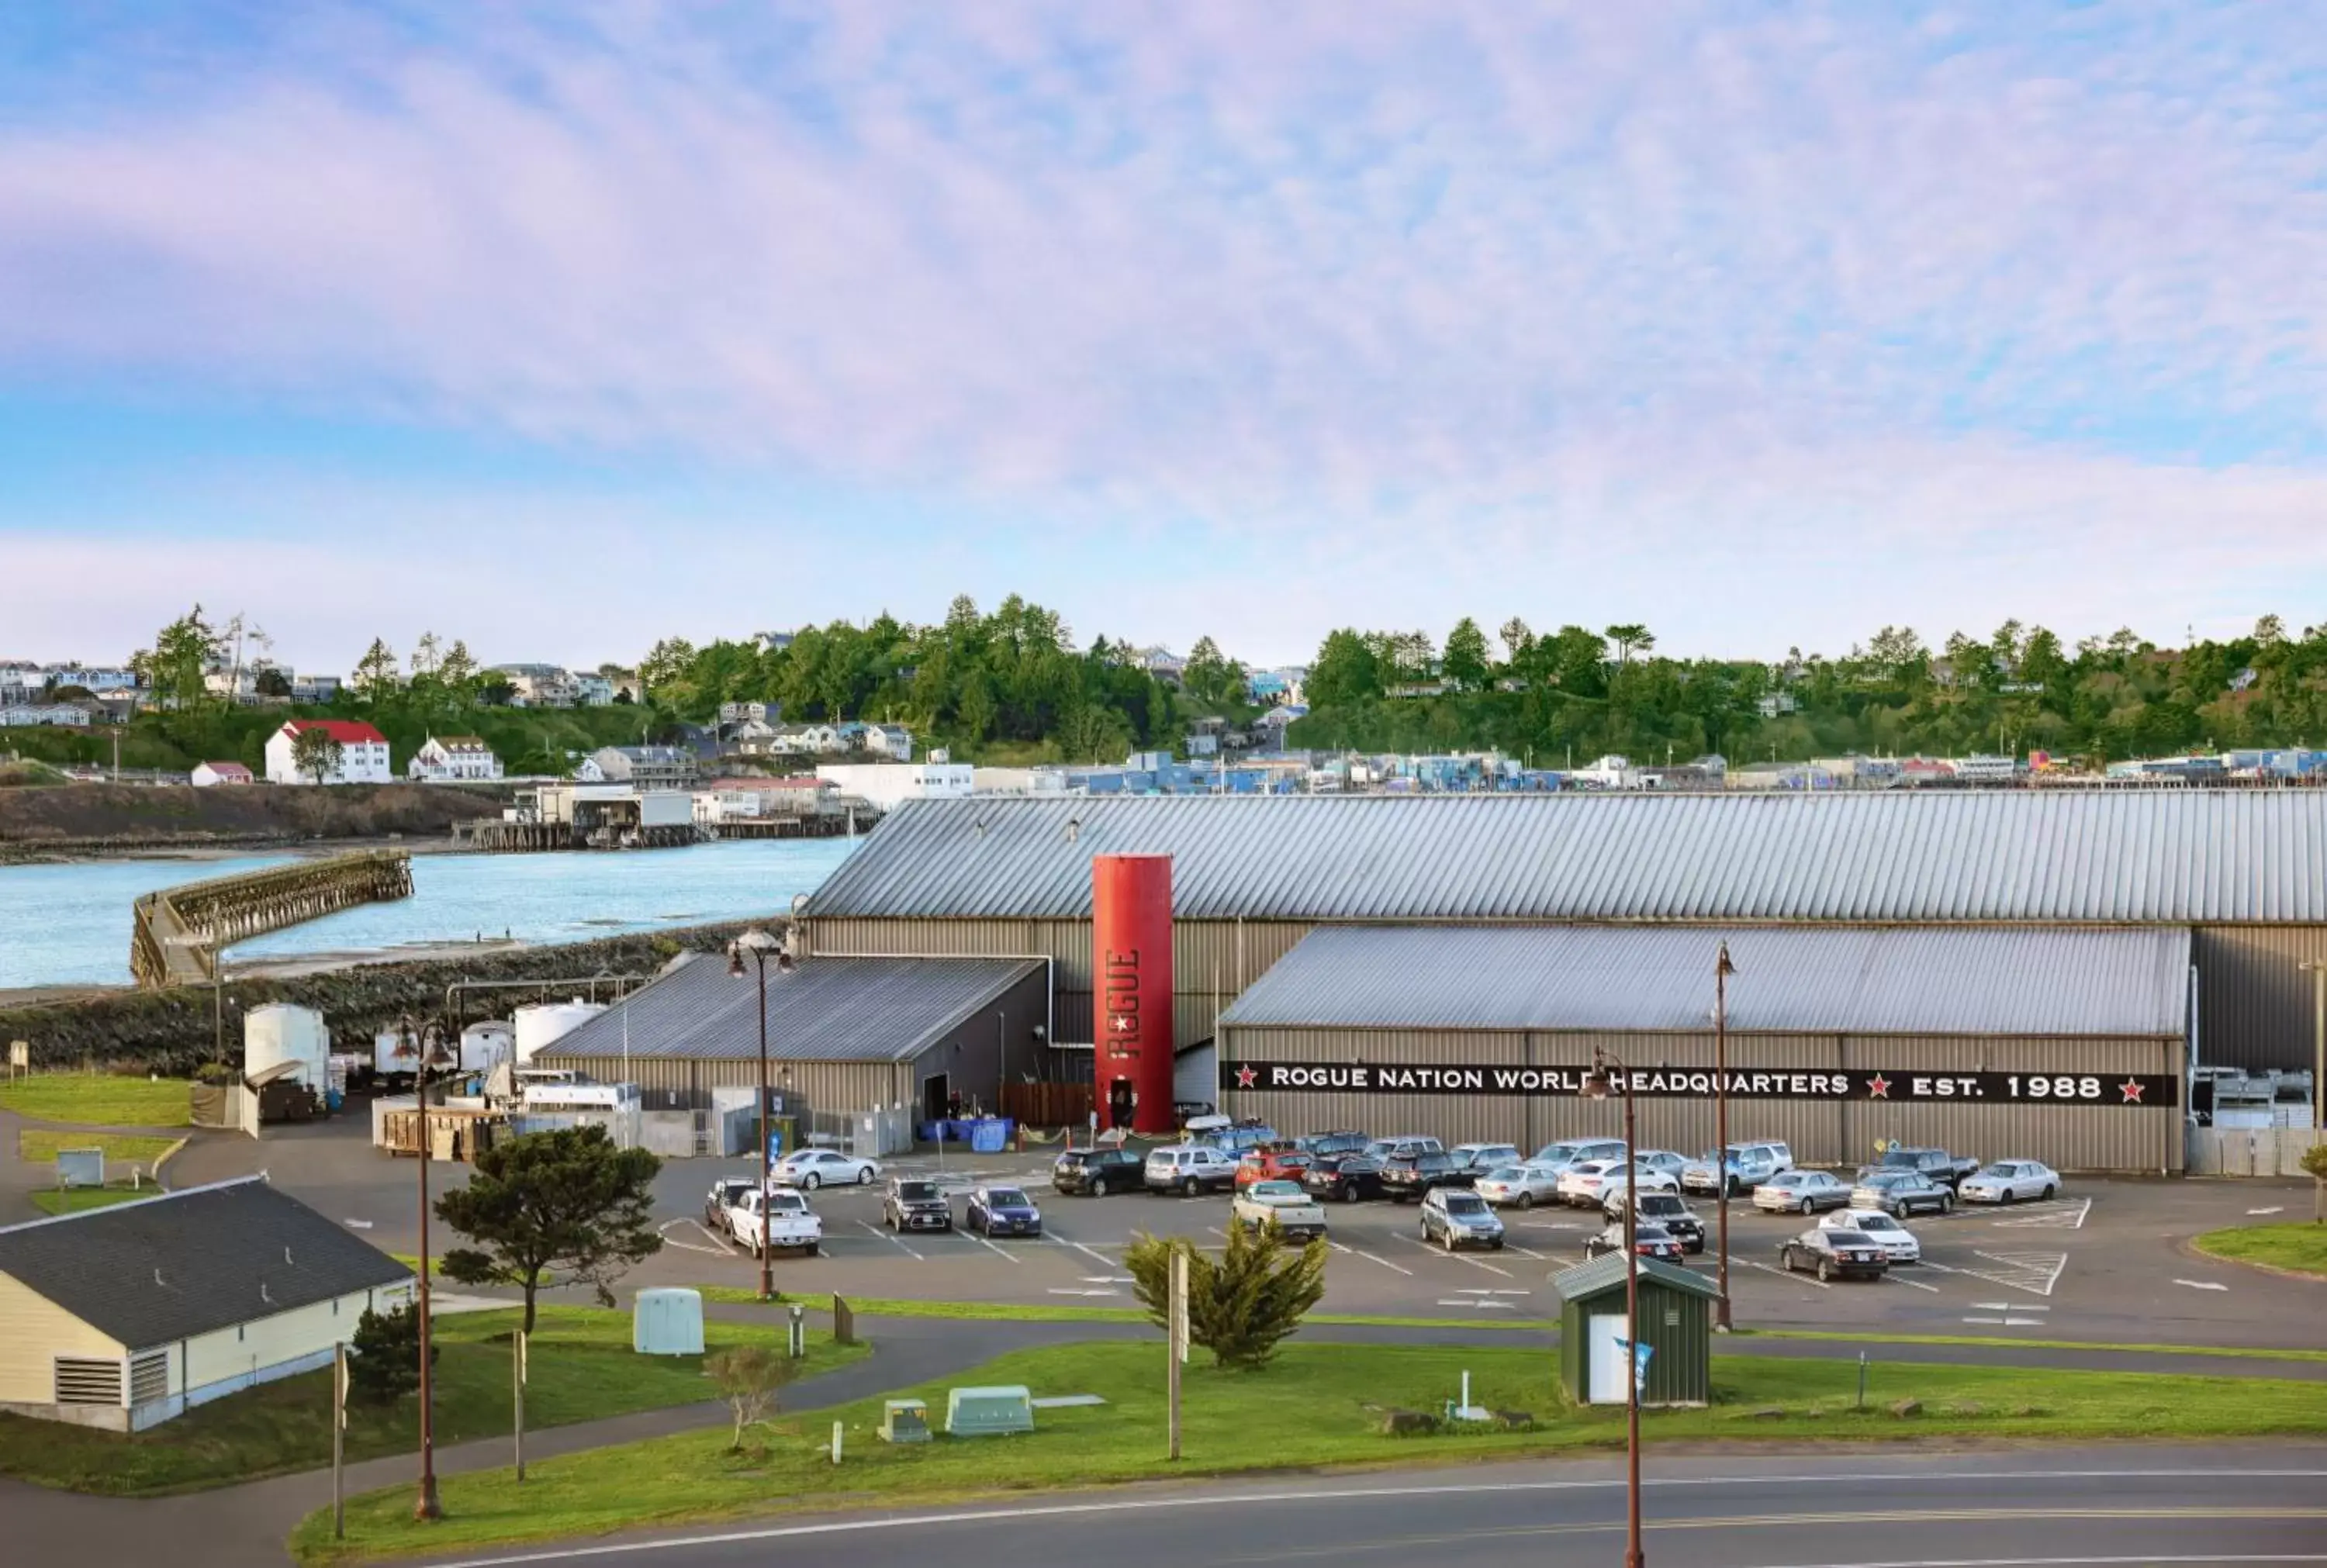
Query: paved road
x,y
1964,1508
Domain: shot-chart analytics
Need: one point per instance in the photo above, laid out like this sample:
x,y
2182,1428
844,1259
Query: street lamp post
x,y
1598,1084
427,1506
758,945
1722,970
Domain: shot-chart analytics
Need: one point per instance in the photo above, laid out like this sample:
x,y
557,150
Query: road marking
x,y
998,1251
1487,1290
898,1241
1784,1273
1337,1247
2274,1208
2034,1272
1457,1256
716,1249
2008,1307
1889,1277
1550,1225
2202,1284
1105,1279
1387,1264
2067,1214
2009,1322
1482,1303
1062,1290
1528,1251
1115,1505
366,1225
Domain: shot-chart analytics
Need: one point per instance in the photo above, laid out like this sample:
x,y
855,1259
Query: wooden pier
x,y
544,837
176,934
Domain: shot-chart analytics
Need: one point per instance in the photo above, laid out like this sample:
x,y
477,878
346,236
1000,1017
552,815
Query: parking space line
x,y
1457,1256
1337,1247
1369,1257
1528,1251
1480,1303
898,1240
1784,1273
997,1251
717,1248
1890,1278
1079,1247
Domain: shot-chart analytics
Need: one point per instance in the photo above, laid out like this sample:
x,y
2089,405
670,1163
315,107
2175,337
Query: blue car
x,y
1002,1211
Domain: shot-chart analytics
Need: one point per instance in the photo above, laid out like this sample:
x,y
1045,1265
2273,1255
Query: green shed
x,y
1676,1325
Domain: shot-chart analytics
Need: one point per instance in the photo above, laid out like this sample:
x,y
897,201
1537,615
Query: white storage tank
x,y
667,1322
538,1026
485,1046
277,1034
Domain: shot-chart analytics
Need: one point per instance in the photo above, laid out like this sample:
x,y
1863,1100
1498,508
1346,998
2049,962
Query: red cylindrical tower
x,y
1131,983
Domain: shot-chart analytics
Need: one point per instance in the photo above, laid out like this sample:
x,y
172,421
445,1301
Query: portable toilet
x,y
1676,1327
667,1322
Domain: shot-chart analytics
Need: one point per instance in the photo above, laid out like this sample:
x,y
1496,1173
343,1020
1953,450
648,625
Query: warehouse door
x,y
936,1096
1610,1364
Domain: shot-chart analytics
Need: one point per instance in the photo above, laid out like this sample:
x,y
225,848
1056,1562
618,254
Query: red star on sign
x,y
2131,1089
1878,1087
1245,1078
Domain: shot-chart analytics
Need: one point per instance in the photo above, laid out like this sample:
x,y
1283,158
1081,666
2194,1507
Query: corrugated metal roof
x,y
2165,856
825,1010
1605,1273
1863,980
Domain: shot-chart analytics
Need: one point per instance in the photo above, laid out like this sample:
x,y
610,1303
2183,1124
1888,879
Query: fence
x,y
2249,1151
1047,1105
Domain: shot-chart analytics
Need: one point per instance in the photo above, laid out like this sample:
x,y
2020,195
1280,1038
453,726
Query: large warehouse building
x,y
2043,964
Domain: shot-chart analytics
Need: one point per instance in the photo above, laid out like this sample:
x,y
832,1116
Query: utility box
x,y
988,1412
1676,1325
904,1421
667,1322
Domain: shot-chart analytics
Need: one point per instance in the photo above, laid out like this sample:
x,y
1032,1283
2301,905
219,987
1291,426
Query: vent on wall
x,y
149,1378
87,1382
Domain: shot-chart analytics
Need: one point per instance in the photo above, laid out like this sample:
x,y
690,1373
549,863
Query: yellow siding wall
x,y
267,1342
35,1331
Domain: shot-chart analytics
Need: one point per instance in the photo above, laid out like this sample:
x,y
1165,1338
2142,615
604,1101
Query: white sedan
x,y
810,1169
2009,1181
1522,1186
1897,1242
1581,1182
1655,1170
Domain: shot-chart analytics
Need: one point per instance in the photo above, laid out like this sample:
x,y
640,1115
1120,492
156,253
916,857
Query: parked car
x,y
724,1195
1519,1186
791,1225
1271,1165
1480,1158
1097,1171
1560,1156
810,1169
1898,1243
1901,1193
1748,1165
1002,1211
914,1203
1668,1210
1654,1171
1234,1139
1945,1168
1580,1183
1343,1178
2008,1180
1188,1169
1649,1239
1829,1253
1399,1147
1296,1213
1801,1192
1409,1177
1343,1142
1453,1219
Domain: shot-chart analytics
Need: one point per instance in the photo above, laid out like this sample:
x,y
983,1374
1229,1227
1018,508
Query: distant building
x,y
363,753
773,642
453,757
890,740
743,712
886,784
89,677
1776,704
642,767
71,715
316,689
1985,769
210,775
593,690
541,686
1609,772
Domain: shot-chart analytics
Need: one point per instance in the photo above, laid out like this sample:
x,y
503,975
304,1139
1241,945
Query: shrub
x,y
1242,1306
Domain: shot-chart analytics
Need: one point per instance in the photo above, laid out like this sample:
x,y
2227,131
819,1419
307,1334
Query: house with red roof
x,y
362,760
210,775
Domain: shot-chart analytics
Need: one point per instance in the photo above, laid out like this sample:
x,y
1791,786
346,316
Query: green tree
x,y
1243,1305
1630,637
750,1378
1092,733
1519,644
1466,663
1347,671
666,663
552,1209
384,1356
457,673
315,752
375,672
2314,1161
974,711
1205,675
180,659
271,682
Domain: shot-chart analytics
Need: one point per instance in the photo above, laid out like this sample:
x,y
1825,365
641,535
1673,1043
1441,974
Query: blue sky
x,y
562,327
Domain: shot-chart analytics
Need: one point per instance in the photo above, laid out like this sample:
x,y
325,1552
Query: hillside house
x,y
210,775
363,753
453,758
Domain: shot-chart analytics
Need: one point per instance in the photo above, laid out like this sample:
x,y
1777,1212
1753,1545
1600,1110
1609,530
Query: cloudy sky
x,y
564,328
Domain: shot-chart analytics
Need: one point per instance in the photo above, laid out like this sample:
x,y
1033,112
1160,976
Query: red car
x,y
1271,1165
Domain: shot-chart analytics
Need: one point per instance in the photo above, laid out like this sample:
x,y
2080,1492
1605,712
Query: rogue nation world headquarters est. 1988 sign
x,y
1899,1087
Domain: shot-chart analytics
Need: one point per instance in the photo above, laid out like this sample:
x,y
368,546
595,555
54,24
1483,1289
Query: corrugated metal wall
x,y
2255,1006
1831,1132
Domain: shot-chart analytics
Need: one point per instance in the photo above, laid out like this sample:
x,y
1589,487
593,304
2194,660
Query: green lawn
x,y
581,1368
1073,1312
1319,1405
39,1146
100,1099
2299,1248
80,1200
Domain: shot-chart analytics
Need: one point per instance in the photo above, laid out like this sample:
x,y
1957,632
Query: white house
x,y
540,686
315,688
593,690
210,775
1609,772
885,784
122,1318
70,714
453,757
891,740
363,753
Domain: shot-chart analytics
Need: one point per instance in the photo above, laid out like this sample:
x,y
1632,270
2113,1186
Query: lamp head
x,y
1597,1085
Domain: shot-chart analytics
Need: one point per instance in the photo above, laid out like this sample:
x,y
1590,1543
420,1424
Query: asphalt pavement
x,y
1968,1506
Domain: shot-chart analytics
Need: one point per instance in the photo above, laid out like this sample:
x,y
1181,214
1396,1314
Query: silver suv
x,y
1749,1164
1189,1169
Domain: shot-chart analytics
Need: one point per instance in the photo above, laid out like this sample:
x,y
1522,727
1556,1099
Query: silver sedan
x,y
1519,1186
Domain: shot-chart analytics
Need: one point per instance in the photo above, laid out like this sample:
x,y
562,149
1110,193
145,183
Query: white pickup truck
x,y
1299,1215
793,1225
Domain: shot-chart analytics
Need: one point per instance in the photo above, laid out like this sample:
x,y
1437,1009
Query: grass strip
x,y
100,1099
39,1145
1079,1312
1849,1337
1317,1406
2296,1248
81,1199
580,1365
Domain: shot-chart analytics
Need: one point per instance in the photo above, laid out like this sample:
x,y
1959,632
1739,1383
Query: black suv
x,y
1096,1172
914,1204
1666,1210
1943,1169
1334,1143
1343,1178
1407,1176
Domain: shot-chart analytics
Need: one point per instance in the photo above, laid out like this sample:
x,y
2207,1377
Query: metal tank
x,y
485,1046
277,1034
537,1026
1131,964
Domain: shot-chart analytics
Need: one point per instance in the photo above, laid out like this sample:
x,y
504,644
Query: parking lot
x,y
2104,1262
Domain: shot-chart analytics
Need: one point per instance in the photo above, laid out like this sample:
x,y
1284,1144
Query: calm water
x,y
69,924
